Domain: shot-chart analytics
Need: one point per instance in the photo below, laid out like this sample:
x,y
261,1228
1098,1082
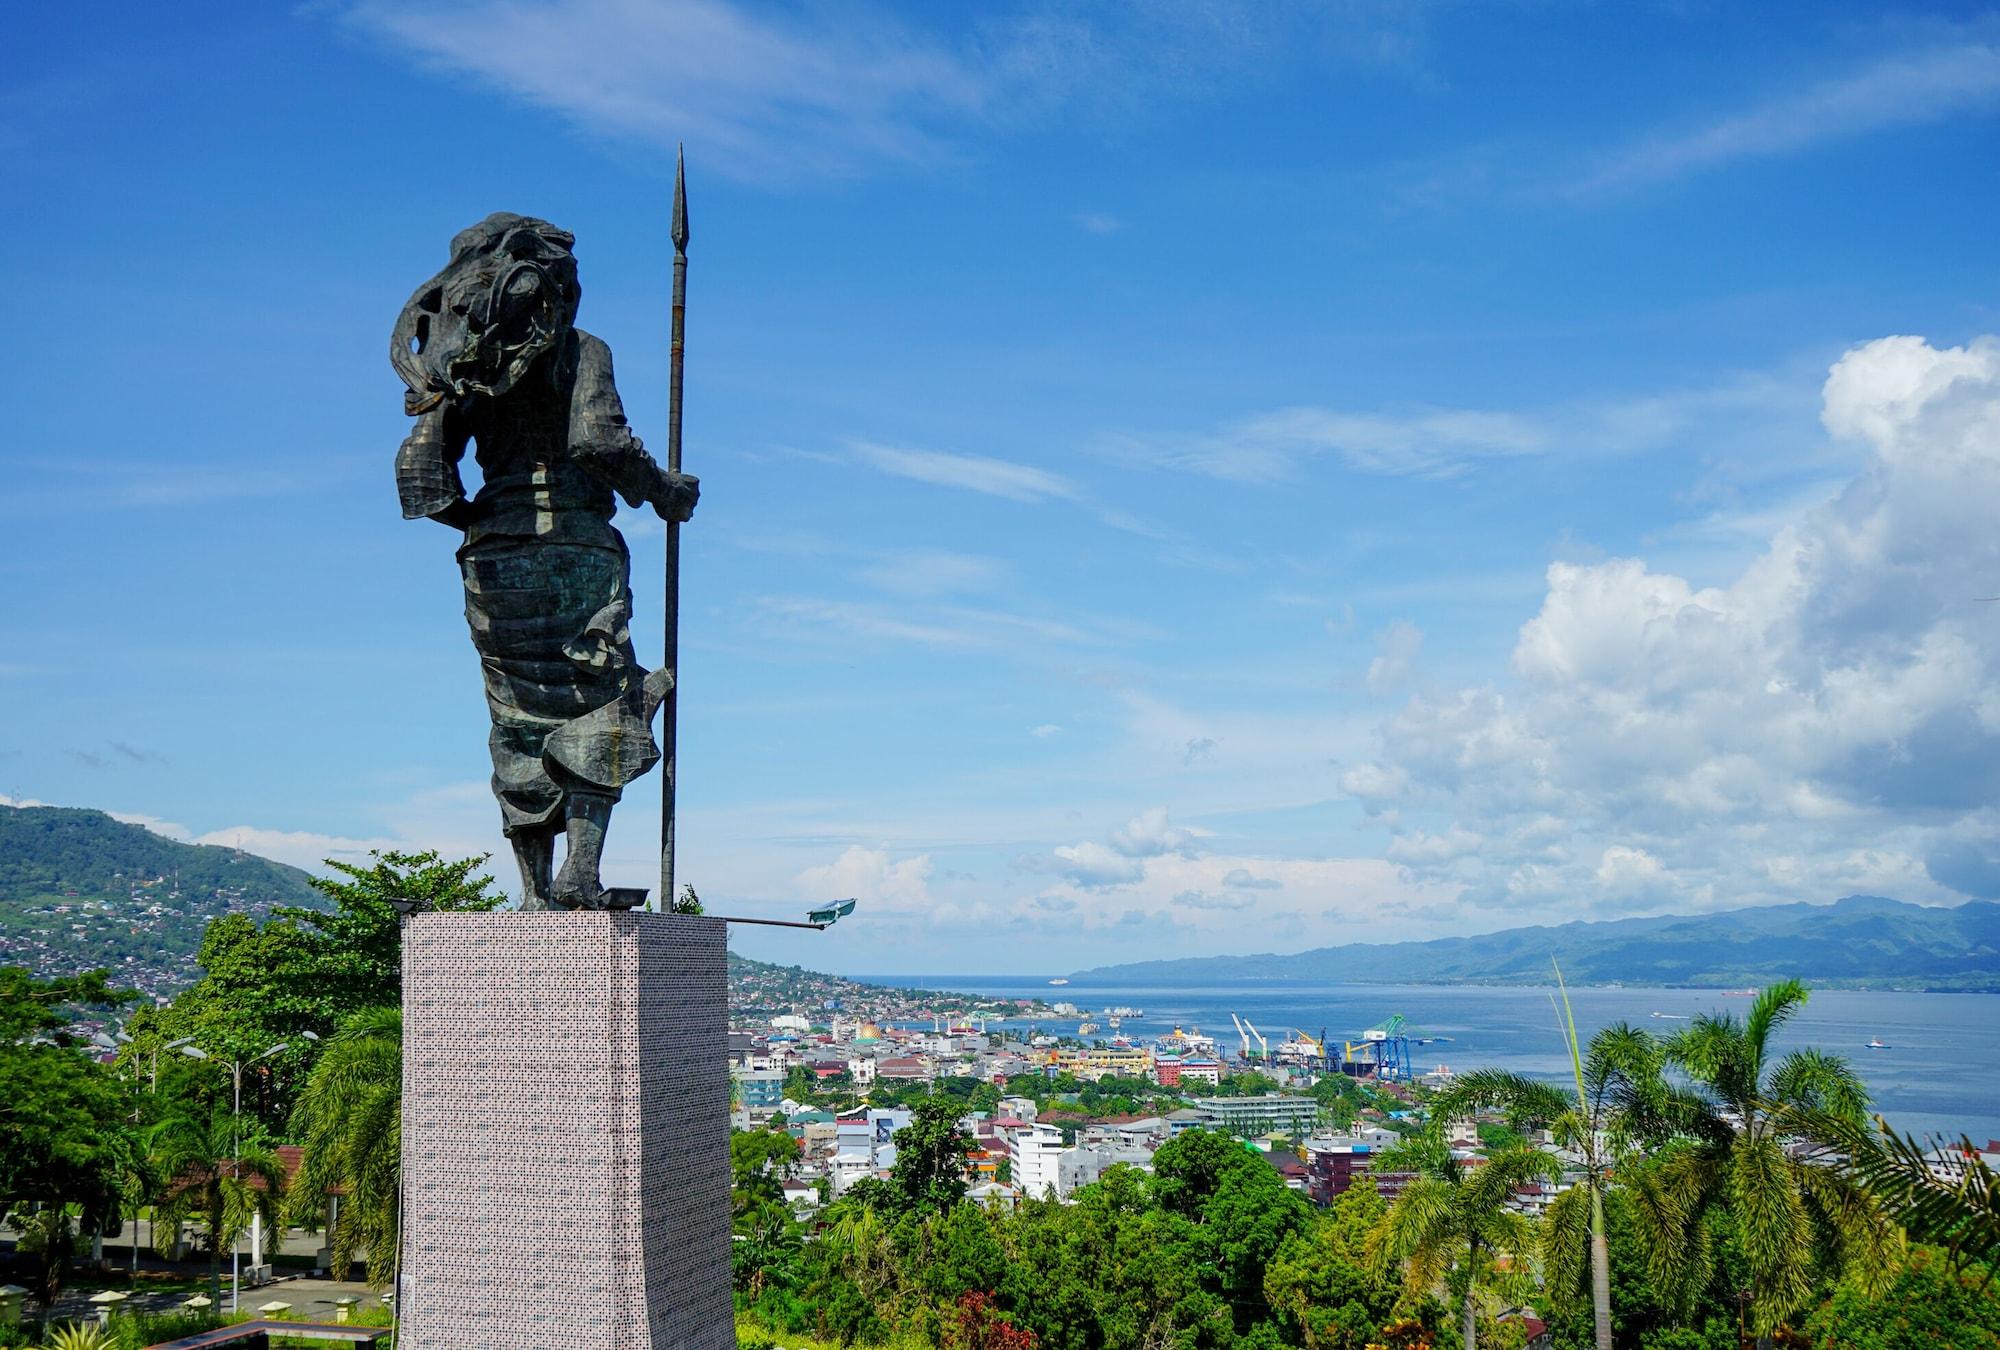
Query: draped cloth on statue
x,y
548,582
565,692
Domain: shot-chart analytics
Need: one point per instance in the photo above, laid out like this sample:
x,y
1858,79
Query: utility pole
x,y
670,710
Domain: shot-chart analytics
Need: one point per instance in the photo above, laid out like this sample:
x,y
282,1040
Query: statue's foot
x,y
576,889
535,855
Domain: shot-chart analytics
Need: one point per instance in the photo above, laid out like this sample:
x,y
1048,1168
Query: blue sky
x,y
1178,478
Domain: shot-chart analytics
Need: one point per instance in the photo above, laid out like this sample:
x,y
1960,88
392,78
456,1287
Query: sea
x,y
1938,1075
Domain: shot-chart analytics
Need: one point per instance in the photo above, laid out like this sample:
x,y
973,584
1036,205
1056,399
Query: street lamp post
x,y
236,1067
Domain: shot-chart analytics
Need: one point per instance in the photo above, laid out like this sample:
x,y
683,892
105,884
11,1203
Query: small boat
x,y
1058,980
1671,1017
1879,1044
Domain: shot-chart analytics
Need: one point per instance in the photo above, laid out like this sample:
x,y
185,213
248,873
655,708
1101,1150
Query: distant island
x,y
1859,942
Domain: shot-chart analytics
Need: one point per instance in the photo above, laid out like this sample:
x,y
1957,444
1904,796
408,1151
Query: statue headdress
x,y
507,296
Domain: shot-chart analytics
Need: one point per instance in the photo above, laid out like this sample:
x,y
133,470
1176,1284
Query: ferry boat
x,y
1059,980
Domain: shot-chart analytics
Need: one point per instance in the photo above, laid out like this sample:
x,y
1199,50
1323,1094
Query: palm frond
x,y
1944,1196
1565,1245
1816,1081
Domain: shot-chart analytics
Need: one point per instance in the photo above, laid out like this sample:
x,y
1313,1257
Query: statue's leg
x,y
535,852
577,885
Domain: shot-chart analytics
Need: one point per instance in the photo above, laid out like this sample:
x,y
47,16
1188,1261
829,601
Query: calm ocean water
x,y
1940,1074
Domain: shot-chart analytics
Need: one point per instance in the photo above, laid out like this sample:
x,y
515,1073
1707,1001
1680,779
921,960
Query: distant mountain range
x,y
79,891
1862,941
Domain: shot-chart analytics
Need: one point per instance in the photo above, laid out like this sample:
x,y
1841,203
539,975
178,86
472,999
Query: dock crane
x,y
1263,1046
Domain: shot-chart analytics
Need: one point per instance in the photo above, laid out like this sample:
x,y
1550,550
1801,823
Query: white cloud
x,y
1830,719
1096,866
931,571
1398,644
300,848
1439,442
1044,731
1098,222
1149,834
1905,89
872,876
972,473
767,92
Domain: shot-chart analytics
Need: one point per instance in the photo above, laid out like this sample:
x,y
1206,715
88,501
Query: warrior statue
x,y
492,356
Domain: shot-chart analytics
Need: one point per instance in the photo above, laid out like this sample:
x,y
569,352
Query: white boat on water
x,y
1877,1043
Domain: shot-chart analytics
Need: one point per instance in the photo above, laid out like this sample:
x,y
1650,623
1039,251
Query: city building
x,y
1269,1114
1114,1061
1037,1161
759,1091
1199,1069
1333,1165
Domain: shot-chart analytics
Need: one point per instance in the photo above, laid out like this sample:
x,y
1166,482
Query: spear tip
x,y
680,230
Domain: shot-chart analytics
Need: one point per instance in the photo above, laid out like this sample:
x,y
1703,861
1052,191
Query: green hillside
x,y
1862,941
79,890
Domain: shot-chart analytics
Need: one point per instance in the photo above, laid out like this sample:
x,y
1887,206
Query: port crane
x,y
1244,1031
1382,1051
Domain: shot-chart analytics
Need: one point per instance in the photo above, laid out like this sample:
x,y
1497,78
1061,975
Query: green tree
x,y
929,1174
1789,1215
350,1120
62,1120
298,976
1451,1220
1242,1211
1321,1282
1928,1305
1620,1099
224,1170
357,946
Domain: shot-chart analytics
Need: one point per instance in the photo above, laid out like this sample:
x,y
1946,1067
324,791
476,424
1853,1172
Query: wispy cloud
x,y
809,91
952,627
1434,442
972,473
1906,89
1098,222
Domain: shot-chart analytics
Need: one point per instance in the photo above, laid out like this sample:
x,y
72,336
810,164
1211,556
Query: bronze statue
x,y
491,355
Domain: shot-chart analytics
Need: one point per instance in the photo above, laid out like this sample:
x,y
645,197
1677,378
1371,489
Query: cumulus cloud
x,y
1149,834
1121,860
1243,879
873,876
1828,720
1397,645
1096,866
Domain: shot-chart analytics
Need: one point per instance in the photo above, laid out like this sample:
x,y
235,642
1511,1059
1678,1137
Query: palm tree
x,y
350,1119
1621,1098
215,1162
1788,1212
1945,1195
1455,1215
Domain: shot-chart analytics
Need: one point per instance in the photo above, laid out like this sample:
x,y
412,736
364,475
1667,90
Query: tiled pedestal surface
x,y
565,1132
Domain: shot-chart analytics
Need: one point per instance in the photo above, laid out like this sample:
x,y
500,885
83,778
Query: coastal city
x,y
867,675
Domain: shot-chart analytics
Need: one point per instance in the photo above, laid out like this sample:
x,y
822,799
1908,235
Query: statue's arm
x,y
602,441
427,469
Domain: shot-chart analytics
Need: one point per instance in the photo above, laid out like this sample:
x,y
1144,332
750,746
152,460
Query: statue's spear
x,y
669,730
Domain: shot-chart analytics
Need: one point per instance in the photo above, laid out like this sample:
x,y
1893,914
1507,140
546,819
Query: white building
x,y
1037,1162
1020,1108
844,1169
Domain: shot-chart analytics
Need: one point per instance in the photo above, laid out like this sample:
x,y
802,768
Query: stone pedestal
x,y
565,1133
